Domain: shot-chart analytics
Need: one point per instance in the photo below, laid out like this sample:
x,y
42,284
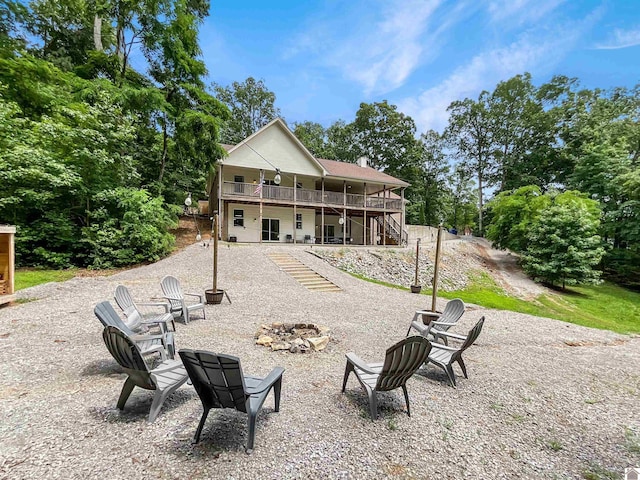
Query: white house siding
x,y
251,231
280,151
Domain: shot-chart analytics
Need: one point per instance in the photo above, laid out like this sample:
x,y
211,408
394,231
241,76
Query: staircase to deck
x,y
303,274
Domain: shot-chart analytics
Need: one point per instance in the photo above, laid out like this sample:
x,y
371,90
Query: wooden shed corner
x,y
7,263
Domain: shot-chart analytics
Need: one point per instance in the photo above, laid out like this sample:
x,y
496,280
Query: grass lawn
x,y
606,306
29,277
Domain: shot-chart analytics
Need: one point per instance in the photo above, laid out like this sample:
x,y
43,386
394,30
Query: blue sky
x,y
323,58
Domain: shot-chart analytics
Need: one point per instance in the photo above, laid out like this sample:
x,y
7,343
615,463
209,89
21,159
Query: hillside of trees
x,y
97,156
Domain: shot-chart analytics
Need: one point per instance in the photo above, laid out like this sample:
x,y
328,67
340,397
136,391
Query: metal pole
x,y
415,282
215,253
435,270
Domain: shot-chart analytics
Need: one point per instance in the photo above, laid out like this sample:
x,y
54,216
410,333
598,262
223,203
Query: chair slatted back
x,y
401,361
171,288
451,314
217,378
125,302
472,335
128,356
108,316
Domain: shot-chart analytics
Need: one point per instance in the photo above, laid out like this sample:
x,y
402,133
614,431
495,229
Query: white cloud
x,y
376,47
517,12
621,39
485,70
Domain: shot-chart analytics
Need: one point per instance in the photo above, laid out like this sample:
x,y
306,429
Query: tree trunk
x,y
480,204
97,33
165,147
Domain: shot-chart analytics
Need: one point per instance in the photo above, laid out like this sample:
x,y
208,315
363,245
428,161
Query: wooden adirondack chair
x,y
439,322
220,383
164,379
179,306
445,356
400,363
161,343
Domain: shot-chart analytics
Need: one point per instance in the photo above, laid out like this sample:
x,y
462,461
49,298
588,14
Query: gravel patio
x,y
544,399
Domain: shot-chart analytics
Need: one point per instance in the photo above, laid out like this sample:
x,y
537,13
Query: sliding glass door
x,y
270,229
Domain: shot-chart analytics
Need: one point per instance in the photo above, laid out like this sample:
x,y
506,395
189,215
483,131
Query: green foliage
x,y
431,192
512,215
128,226
84,137
563,244
252,106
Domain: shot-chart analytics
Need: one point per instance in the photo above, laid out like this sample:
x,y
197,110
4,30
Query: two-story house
x,y
270,188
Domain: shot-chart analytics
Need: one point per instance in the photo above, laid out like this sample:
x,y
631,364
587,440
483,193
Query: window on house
x,y
238,218
298,221
298,184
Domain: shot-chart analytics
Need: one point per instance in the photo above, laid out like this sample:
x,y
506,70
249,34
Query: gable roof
x,y
328,168
275,123
356,172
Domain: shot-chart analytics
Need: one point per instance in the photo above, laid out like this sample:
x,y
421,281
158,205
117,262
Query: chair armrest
x,y
267,382
164,305
157,349
453,335
162,324
435,346
138,338
444,324
356,361
421,327
429,313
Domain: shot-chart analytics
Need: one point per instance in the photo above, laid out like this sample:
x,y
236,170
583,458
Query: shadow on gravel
x,y
437,375
138,405
102,367
224,430
389,403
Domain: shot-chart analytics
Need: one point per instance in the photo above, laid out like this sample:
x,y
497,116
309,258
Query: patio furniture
x,y
162,343
164,379
220,383
136,320
179,306
444,356
401,361
439,322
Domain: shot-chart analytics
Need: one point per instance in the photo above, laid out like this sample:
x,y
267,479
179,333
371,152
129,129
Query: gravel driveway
x,y
545,399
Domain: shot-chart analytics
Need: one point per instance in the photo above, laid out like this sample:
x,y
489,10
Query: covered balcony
x,y
300,196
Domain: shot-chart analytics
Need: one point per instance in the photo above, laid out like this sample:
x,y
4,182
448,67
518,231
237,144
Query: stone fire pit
x,y
293,337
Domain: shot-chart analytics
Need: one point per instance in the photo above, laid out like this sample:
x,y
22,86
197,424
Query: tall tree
x,y
433,187
523,134
563,244
313,136
463,209
387,138
252,106
470,135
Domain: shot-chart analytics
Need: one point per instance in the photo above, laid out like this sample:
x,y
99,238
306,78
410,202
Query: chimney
x,y
363,162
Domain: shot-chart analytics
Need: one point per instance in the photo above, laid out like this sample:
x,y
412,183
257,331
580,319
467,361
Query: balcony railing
x,y
305,196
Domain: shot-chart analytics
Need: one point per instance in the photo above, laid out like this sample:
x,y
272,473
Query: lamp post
x,y
416,287
436,267
214,296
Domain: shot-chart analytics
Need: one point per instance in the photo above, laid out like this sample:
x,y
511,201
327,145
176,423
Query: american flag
x,y
259,186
